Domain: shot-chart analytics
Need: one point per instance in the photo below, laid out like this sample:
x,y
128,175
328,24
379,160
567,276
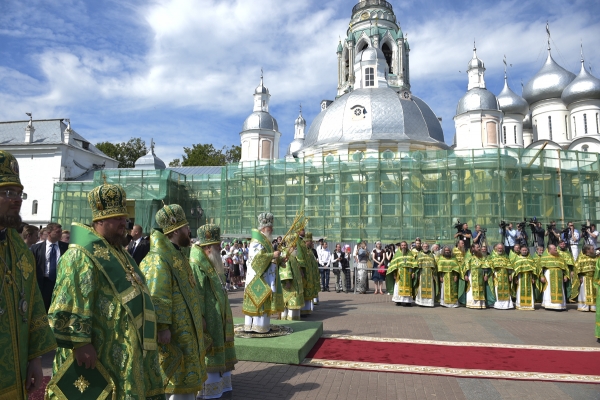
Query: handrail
x,y
367,3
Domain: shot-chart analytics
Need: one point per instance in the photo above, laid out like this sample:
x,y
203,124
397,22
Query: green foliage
x,y
126,153
206,155
175,163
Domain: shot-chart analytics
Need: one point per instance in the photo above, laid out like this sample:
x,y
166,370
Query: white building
x,y
48,151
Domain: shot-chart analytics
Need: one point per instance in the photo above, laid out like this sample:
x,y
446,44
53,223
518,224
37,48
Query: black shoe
x,y
598,340
399,304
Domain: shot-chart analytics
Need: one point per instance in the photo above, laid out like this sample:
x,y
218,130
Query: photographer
x,y
522,237
589,234
465,235
552,233
509,234
571,236
479,237
538,233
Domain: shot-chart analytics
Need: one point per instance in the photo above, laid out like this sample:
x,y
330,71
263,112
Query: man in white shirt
x,y
139,246
324,262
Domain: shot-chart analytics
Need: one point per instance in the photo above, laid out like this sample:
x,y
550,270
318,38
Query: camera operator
x,y
538,233
552,233
510,236
571,236
522,236
479,235
592,236
465,235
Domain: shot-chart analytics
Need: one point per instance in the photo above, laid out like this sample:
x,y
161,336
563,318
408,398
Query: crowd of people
x,y
129,316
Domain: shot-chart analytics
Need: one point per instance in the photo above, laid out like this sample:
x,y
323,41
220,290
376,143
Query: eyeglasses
x,y
13,194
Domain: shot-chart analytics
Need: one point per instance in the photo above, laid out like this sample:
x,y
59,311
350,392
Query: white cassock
x,y
261,324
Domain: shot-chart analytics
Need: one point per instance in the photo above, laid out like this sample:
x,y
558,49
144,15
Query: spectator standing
x,y
324,258
65,237
553,235
510,237
571,237
346,268
538,234
30,235
465,235
593,236
378,256
43,235
337,257
139,245
389,279
362,257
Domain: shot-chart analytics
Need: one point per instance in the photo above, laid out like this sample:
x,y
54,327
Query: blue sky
x,y
183,71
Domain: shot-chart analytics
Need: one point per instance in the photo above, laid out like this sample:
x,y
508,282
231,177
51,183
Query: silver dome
x,y
386,117
300,120
260,120
475,62
527,122
295,146
510,102
150,161
584,87
370,54
477,99
548,83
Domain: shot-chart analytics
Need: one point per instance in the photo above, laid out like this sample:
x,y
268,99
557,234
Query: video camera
x,y
521,225
585,231
532,221
503,224
458,225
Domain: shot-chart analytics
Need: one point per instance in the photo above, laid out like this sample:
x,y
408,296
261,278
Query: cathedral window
x,y
550,126
574,126
585,148
369,77
585,123
567,126
34,207
597,124
504,134
387,52
515,132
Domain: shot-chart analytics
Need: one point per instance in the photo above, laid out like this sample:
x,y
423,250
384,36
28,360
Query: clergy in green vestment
x,y
178,304
501,279
309,269
582,289
102,313
426,287
209,271
525,280
263,295
449,271
402,268
516,251
554,274
291,282
24,331
459,252
565,253
597,286
476,273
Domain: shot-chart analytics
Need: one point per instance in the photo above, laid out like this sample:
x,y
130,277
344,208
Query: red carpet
x,y
496,361
39,394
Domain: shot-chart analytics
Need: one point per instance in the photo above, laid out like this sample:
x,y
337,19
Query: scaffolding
x,y
387,196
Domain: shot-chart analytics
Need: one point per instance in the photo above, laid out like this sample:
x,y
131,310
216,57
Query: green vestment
x,y
217,312
525,270
478,268
101,298
178,305
259,298
502,274
585,267
403,265
293,298
558,268
308,264
23,335
597,285
449,268
426,275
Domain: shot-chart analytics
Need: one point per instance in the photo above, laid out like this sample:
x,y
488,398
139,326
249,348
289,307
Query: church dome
x,y
375,114
584,87
477,99
370,54
548,83
510,102
300,120
261,88
260,120
150,161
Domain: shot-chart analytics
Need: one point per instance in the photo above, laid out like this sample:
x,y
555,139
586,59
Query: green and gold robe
x,y
525,271
502,269
101,298
178,304
259,297
554,269
597,286
403,266
477,292
425,282
448,269
459,255
310,268
24,332
585,267
293,298
216,309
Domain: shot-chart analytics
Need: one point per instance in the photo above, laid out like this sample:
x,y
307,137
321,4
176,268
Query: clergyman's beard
x,y
114,239
185,241
10,221
268,236
217,262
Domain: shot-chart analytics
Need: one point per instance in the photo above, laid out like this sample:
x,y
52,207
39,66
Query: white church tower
x,y
260,134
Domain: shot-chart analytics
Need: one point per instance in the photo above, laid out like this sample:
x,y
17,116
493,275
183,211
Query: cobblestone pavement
x,y
377,316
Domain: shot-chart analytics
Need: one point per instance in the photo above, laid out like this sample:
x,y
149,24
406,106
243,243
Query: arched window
x,y
346,66
492,133
585,123
585,148
369,77
515,131
597,124
504,134
361,47
550,126
567,126
574,126
34,207
388,53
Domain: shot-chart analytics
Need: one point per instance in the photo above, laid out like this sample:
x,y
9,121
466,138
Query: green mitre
x,y
208,234
170,218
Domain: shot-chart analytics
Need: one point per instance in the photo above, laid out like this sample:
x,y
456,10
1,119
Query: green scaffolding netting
x,y
387,196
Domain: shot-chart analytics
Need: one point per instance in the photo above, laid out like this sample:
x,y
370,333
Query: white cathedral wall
x,y
512,123
557,111
591,110
590,145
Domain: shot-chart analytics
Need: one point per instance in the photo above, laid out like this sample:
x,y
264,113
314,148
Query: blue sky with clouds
x,y
183,71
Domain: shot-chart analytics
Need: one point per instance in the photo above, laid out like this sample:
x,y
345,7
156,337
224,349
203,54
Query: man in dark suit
x,y
139,245
47,254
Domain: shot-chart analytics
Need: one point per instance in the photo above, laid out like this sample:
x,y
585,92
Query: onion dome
x,y
510,102
475,62
150,161
375,114
260,120
261,87
300,120
477,99
584,87
549,83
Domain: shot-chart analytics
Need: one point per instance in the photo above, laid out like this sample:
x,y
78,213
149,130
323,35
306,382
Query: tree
x,y
175,163
207,155
126,153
